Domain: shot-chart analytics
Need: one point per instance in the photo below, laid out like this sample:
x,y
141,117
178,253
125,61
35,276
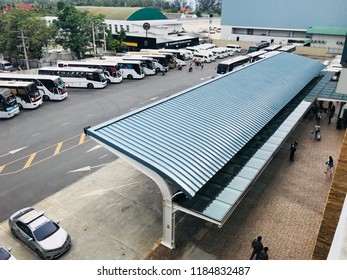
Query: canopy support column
x,y
168,210
168,225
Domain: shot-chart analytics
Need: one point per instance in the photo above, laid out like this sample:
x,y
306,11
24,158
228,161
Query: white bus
x,y
231,64
254,56
159,60
287,48
77,76
272,48
170,57
146,62
53,87
180,54
27,94
112,72
129,69
8,104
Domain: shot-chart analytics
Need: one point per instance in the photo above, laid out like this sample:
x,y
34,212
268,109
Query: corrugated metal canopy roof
x,y
124,13
188,137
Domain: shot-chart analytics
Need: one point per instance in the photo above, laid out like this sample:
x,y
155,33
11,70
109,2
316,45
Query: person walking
x,y
263,255
202,65
331,112
330,165
317,132
257,246
293,148
319,117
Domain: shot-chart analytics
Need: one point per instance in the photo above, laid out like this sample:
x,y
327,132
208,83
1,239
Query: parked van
x,y
188,54
193,49
219,53
206,46
209,54
5,65
201,57
229,51
235,48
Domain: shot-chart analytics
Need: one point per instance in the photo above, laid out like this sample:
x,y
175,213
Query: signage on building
x,y
146,26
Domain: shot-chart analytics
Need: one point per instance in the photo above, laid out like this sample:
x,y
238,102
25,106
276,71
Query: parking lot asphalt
x,y
115,213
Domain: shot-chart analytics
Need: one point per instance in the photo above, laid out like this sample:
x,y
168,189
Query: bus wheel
x,y
130,77
90,86
46,98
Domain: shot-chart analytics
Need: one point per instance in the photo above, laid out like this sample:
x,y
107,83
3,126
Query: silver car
x,y
5,254
41,234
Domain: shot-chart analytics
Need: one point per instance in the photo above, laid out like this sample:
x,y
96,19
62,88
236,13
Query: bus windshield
x,y
252,49
59,83
222,69
9,100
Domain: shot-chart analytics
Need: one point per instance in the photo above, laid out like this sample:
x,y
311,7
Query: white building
x,y
316,22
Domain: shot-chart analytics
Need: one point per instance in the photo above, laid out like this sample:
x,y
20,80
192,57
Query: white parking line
x,y
103,156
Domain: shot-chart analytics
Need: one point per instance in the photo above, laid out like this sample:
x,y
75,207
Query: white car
x,y
5,254
40,233
180,62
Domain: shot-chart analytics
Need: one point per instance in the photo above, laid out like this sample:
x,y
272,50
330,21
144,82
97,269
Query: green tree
x,y
29,25
209,5
75,29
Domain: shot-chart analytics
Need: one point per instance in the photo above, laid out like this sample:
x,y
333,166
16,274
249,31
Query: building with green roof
x,y
125,13
329,37
162,32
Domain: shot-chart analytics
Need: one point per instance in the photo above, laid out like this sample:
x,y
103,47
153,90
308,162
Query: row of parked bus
x,y
28,91
98,72
234,63
23,91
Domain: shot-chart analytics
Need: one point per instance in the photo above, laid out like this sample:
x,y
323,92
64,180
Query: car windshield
x,y
4,255
45,230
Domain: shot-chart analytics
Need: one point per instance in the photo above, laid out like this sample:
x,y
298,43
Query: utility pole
x,y
94,48
105,38
25,50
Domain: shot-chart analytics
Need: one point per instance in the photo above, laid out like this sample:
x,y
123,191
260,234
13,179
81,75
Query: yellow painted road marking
x,y
30,160
57,149
82,138
32,156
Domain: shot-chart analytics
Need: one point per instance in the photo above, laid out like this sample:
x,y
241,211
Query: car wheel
x,y
157,70
14,233
130,77
46,98
39,254
90,86
108,81
20,106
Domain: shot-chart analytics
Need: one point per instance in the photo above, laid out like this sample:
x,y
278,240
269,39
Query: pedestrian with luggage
x,y
330,165
317,132
257,246
264,254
